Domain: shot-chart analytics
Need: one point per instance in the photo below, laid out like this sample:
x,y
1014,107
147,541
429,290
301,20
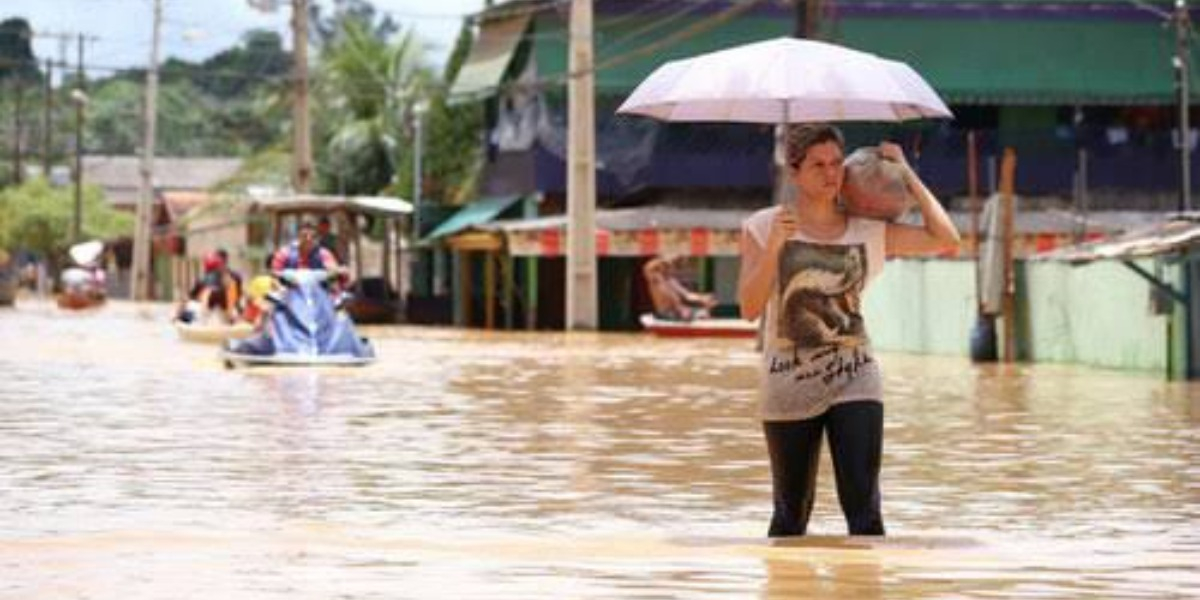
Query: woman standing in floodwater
x,y
807,266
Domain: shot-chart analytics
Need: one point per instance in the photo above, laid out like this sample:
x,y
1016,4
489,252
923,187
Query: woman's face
x,y
819,176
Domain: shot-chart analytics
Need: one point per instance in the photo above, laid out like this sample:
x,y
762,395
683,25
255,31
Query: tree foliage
x,y
454,145
16,51
364,84
38,217
225,105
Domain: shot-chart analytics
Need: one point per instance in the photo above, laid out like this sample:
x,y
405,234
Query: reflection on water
x,y
465,464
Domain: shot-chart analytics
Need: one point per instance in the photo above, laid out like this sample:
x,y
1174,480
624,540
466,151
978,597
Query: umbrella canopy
x,y
86,253
785,80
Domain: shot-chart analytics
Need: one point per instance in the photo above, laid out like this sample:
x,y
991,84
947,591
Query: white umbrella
x,y
785,80
86,253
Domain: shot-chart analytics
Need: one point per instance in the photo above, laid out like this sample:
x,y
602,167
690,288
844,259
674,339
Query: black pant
x,y
856,443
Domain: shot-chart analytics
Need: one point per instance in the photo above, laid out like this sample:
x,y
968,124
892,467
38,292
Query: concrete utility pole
x,y
581,310
140,276
1182,63
64,39
47,119
79,95
302,166
18,129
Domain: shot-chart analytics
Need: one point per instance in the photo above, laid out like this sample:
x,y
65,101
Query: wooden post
x,y
1008,169
464,287
507,276
386,266
489,289
358,254
398,276
531,292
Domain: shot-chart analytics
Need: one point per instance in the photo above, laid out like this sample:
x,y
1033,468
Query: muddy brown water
x,y
472,465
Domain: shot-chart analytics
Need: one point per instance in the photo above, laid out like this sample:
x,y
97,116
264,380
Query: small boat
x,y
706,327
73,300
212,333
83,285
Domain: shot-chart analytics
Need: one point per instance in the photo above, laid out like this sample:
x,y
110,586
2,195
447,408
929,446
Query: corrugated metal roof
x,y
1175,233
632,219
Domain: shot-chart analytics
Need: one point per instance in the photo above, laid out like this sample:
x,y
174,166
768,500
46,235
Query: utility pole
x,y
140,276
18,83
80,97
47,119
64,40
1182,64
301,146
581,306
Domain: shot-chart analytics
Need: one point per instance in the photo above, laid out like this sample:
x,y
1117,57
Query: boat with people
x,y
708,327
304,327
372,294
212,333
83,284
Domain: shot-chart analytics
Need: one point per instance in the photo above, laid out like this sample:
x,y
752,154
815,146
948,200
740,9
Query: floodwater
x,y
472,465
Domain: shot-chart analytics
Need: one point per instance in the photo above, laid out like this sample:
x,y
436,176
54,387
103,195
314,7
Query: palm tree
x,y
364,89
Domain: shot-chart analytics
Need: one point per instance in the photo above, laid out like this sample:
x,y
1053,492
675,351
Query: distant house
x,y
180,185
120,176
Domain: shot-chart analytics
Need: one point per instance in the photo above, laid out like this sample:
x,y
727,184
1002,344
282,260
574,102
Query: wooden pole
x,y
489,289
1008,169
974,207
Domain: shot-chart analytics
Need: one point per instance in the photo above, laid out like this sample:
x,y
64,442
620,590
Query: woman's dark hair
x,y
799,137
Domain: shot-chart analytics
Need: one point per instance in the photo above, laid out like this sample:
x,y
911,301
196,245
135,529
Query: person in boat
x,y
806,265
257,304
305,252
671,298
329,240
232,277
84,281
216,293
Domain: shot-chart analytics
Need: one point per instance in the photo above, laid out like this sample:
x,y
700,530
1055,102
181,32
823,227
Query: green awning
x,y
473,214
1022,61
627,49
489,58
968,60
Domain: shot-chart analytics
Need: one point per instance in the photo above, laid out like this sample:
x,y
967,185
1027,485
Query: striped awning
x,y
646,231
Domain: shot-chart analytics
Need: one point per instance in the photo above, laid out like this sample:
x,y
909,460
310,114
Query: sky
x,y
197,29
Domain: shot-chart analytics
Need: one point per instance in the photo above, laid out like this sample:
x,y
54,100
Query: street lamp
x,y
1181,63
419,109
80,99
1182,66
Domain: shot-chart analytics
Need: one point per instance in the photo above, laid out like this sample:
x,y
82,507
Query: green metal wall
x,y
1098,314
922,306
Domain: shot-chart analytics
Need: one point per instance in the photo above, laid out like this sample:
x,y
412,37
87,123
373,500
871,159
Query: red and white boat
x,y
709,327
